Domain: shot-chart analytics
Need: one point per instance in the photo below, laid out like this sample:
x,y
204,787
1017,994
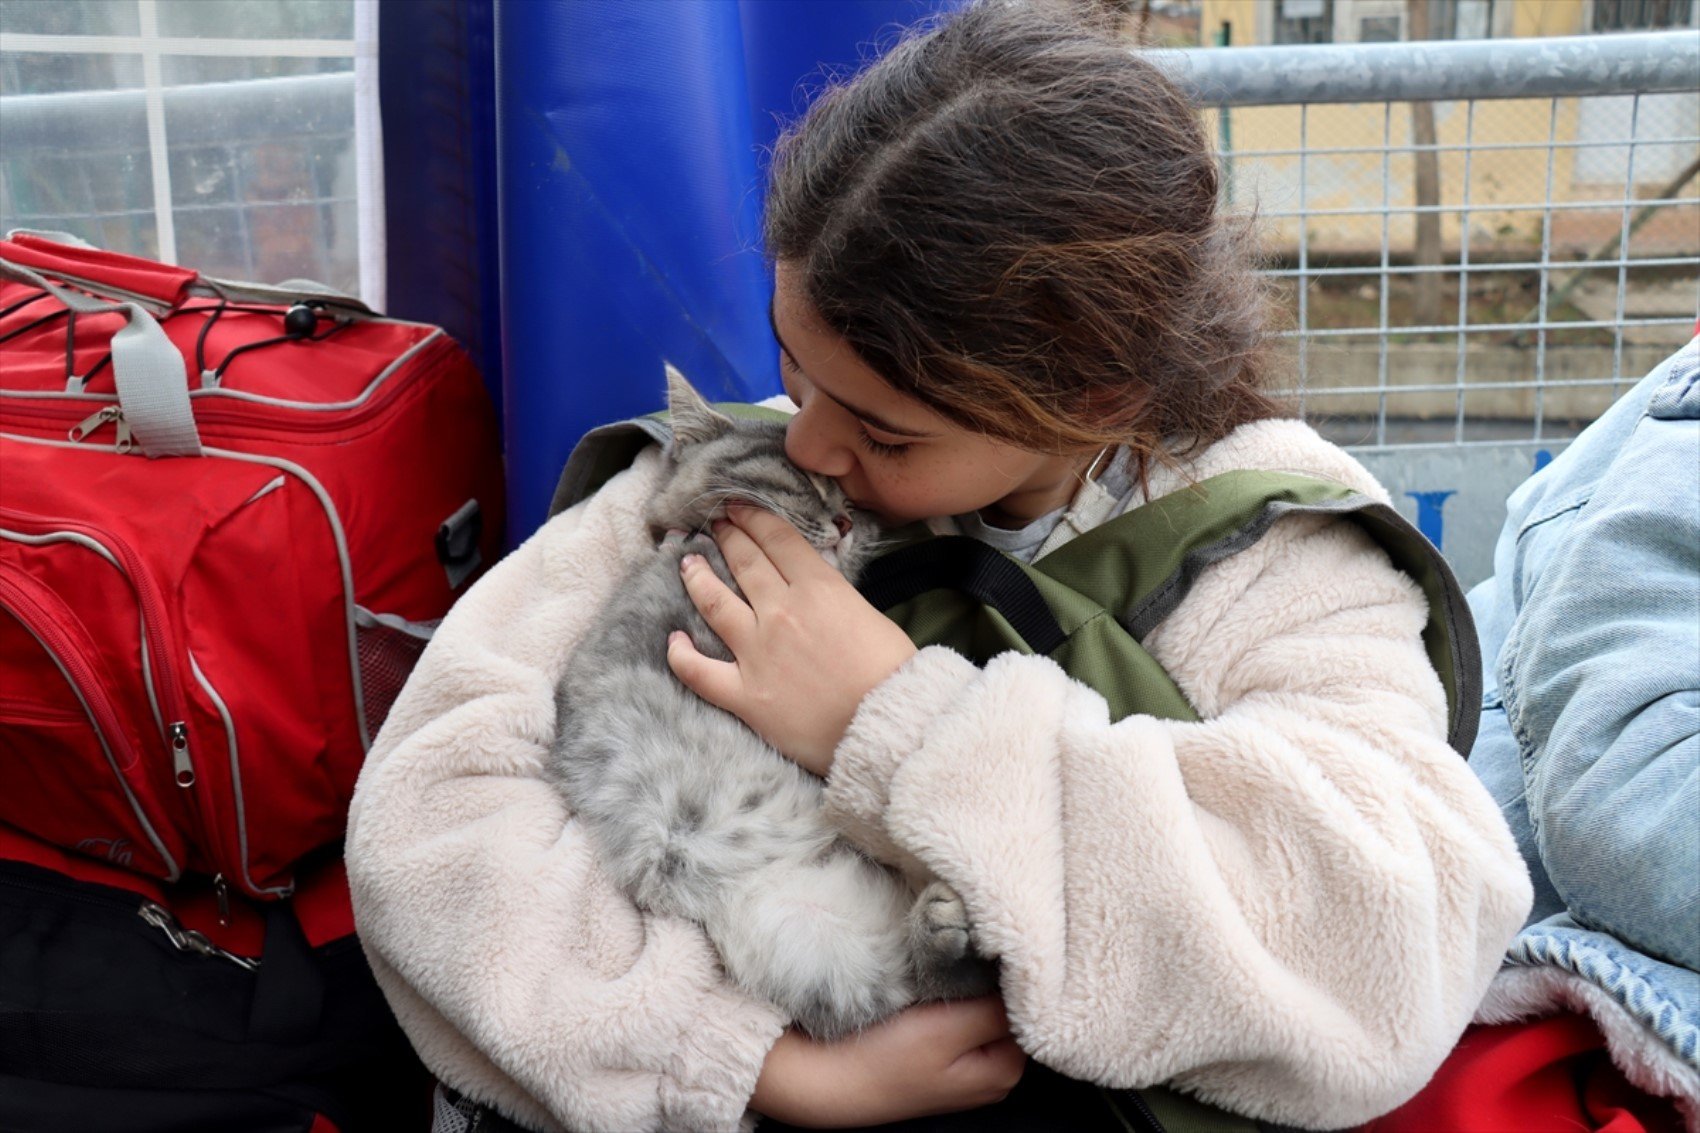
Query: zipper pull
x,y
98,419
94,421
180,755
221,890
188,940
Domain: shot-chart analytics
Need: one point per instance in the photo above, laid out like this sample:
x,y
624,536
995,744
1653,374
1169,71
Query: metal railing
x,y
1534,368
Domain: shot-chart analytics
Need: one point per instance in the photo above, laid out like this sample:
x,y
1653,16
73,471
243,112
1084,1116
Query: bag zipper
x,y
158,672
1144,1121
151,913
177,736
98,420
167,693
332,517
220,886
188,940
101,715
182,767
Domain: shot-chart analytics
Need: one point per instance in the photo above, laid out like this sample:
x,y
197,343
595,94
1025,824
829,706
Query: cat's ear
x,y
694,420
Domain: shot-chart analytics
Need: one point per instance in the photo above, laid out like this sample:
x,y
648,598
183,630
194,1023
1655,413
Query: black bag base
x,y
30,1106
105,1027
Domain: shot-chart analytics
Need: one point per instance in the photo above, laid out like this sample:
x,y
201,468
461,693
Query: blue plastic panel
x,y
629,137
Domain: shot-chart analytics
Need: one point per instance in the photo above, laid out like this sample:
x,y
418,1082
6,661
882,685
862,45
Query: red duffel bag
x,y
230,516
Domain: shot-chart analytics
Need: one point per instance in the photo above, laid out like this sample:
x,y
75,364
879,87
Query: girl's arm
x,y
520,974
1290,908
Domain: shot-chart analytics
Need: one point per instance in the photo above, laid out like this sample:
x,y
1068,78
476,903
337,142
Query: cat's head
x,y
715,459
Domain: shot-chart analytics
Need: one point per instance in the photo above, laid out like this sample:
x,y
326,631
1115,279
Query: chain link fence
x,y
1472,242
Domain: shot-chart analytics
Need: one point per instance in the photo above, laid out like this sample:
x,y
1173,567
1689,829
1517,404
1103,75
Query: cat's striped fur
x,y
693,814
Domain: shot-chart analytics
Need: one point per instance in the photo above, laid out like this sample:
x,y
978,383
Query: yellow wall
x,y
1358,180
1497,178
1243,14
1546,17
1528,17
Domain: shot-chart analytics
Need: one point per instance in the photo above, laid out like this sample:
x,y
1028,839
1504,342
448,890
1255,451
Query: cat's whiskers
x,y
789,515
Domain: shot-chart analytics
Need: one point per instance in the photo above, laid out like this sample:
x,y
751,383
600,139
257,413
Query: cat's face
x,y
716,460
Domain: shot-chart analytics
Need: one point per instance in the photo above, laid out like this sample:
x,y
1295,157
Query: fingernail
x,y
690,562
722,524
674,638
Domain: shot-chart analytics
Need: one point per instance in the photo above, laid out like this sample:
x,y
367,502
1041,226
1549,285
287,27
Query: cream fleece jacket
x,y
1290,908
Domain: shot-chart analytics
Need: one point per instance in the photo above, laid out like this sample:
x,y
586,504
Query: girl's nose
x,y
812,448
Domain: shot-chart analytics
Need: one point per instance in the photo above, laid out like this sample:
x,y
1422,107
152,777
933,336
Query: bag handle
x,y
164,283
152,380
287,293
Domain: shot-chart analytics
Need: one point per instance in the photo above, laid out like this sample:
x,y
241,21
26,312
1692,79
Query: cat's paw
x,y
941,951
939,924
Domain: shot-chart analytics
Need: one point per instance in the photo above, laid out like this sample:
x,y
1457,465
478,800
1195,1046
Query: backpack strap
x,y
982,573
1137,568
1143,564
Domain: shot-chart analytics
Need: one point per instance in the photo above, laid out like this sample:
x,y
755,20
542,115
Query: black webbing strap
x,y
956,562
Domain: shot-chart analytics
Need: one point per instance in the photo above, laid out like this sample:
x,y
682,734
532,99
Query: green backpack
x,y
1090,603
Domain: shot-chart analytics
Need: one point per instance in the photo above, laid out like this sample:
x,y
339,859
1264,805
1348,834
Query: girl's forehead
x,y
832,365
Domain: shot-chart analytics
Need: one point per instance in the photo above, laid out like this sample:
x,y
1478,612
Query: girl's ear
x,y
694,420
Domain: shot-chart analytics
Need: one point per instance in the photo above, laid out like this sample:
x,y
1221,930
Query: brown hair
x,y
1013,218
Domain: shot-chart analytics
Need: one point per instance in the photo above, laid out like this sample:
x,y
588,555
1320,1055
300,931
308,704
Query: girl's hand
x,y
806,646
932,1058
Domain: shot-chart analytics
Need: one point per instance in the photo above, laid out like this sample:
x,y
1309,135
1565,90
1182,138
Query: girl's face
x,y
893,455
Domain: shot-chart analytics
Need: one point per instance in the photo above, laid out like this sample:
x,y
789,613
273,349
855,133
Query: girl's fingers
x,y
715,681
755,572
790,555
727,615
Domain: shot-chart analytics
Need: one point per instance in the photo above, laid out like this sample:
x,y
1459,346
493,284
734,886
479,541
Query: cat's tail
x,y
825,940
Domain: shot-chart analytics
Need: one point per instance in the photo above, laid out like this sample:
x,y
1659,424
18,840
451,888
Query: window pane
x,y
1474,19
258,176
69,17
1304,21
37,72
257,168
258,19
1378,29
187,70
1641,15
98,193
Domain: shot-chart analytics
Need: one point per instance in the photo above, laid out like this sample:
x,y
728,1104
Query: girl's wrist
x,y
788,1088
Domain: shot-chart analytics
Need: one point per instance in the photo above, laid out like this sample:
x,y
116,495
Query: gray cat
x,y
693,814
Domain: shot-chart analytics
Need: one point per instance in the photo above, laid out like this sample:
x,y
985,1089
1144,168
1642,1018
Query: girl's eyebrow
x,y
861,414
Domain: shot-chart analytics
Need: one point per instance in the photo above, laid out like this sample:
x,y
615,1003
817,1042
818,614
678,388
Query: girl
x,y
1006,303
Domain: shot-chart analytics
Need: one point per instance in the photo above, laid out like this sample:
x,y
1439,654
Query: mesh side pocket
x,y
389,647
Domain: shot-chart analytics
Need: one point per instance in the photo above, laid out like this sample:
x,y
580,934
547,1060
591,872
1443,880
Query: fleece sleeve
x,y
521,975
1290,908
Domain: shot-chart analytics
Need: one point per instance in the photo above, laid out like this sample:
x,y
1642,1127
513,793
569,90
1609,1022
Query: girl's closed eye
x,y
879,447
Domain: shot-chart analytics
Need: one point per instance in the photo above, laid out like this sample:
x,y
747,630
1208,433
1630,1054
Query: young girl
x,y
1006,303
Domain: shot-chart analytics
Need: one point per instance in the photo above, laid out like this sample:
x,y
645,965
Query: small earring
x,y
1092,469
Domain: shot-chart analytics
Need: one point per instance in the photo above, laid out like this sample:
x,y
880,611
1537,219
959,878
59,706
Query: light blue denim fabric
x,y
1590,732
